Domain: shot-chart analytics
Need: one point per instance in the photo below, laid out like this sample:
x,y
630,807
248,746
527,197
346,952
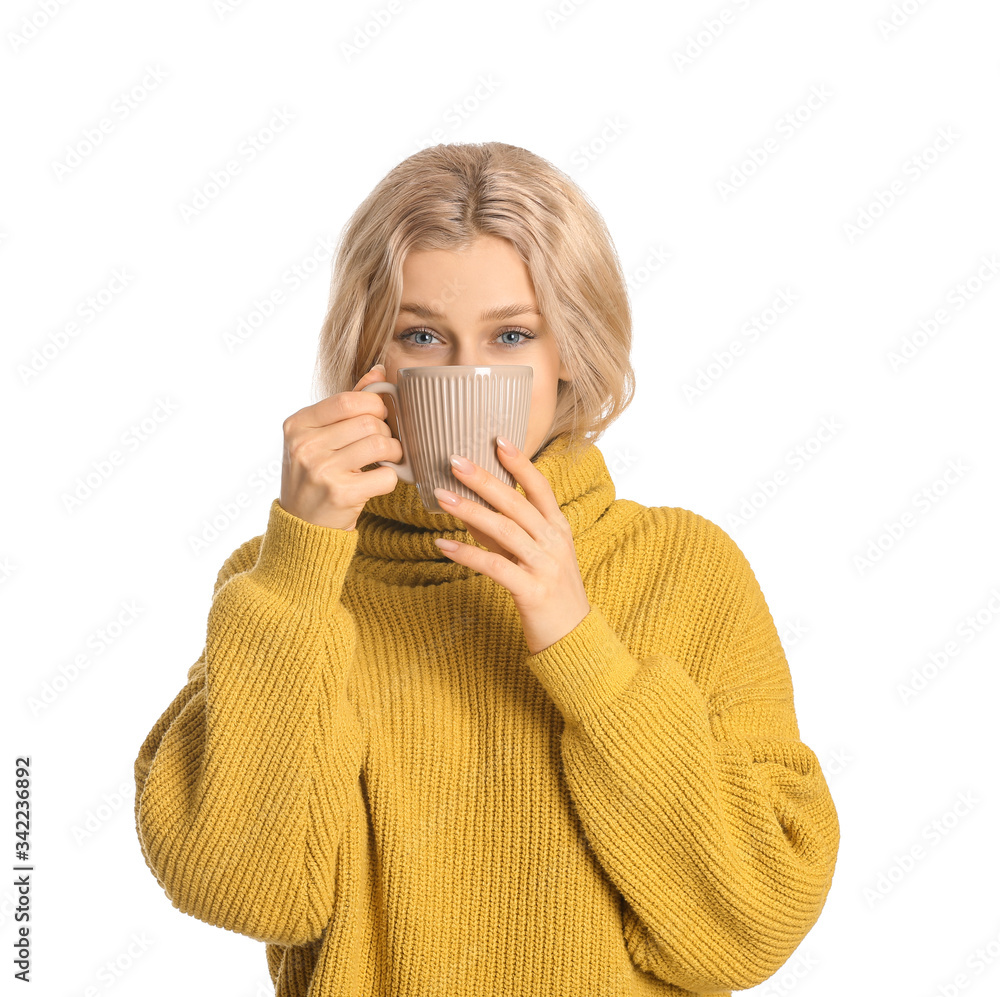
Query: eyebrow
x,y
496,313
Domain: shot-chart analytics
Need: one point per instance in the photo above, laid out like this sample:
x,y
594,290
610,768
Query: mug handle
x,y
403,468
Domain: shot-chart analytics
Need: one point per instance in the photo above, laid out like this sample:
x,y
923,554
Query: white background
x,y
602,94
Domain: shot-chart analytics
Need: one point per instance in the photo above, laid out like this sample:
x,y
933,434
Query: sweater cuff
x,y
302,563
585,671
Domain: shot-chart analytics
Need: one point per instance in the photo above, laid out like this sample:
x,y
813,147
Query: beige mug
x,y
456,409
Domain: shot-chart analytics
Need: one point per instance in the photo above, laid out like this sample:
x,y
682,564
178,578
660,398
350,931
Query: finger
x,y
536,486
333,408
506,500
494,566
488,542
340,406
505,532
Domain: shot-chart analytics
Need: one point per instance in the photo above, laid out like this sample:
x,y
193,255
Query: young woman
x,y
557,756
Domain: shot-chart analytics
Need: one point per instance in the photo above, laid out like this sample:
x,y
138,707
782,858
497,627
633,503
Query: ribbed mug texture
x,y
459,409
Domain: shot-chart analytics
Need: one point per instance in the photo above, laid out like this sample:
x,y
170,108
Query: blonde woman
x,y
545,750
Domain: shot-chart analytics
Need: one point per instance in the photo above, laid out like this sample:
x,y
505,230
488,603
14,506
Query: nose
x,y
468,353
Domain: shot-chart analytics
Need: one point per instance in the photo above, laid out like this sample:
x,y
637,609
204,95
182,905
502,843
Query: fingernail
x,y
378,366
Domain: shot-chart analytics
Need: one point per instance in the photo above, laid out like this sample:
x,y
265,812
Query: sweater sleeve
x,y
244,784
706,811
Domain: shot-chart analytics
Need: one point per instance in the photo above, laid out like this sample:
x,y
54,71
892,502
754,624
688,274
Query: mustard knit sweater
x,y
367,770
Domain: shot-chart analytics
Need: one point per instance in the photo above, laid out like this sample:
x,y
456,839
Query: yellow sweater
x,y
367,771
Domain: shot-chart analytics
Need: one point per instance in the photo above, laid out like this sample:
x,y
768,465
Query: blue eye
x,y
503,332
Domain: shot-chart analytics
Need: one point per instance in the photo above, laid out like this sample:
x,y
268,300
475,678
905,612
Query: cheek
x,y
539,397
544,386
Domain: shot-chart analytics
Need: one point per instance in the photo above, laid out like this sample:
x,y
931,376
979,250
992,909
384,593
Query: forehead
x,y
488,266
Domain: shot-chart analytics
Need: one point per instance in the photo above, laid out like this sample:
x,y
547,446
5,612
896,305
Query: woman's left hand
x,y
530,546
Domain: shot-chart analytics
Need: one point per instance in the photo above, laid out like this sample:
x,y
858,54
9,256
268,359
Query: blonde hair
x,y
444,197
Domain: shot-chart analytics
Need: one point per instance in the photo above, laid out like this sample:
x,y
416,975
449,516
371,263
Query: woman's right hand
x,y
326,445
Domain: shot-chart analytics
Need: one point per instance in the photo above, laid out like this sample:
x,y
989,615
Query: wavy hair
x,y
444,197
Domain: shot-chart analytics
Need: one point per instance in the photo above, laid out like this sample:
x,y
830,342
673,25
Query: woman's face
x,y
440,321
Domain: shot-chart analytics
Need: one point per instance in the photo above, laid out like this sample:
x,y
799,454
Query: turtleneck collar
x,y
396,533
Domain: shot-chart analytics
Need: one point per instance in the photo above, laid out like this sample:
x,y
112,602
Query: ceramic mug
x,y
456,409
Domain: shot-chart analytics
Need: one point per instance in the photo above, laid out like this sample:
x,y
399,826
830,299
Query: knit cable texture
x,y
367,771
